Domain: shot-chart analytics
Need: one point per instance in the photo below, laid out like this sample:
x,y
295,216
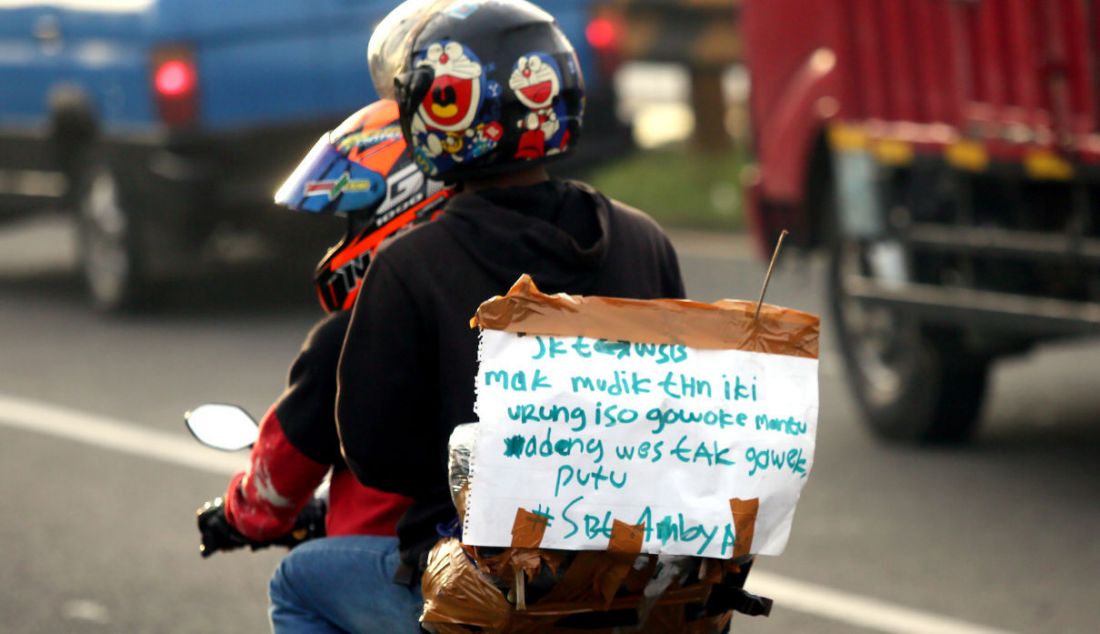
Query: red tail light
x,y
603,33
176,86
174,78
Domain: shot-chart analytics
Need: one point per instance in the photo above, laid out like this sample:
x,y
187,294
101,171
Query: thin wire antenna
x,y
768,276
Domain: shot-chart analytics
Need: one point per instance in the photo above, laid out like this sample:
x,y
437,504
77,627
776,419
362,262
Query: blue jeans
x,y
343,585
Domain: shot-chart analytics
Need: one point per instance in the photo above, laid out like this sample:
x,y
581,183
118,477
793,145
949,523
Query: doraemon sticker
x,y
449,124
536,82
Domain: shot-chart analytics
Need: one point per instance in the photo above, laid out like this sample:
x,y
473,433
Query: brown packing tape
x,y
744,524
622,549
449,628
449,608
523,556
636,581
528,529
529,560
665,619
724,325
711,570
695,593
670,617
708,625
575,584
456,592
626,539
596,576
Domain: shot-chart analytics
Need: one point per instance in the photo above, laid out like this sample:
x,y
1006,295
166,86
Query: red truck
x,y
946,153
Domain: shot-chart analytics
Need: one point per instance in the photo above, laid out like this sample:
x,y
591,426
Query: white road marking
x,y
116,435
177,449
86,610
857,610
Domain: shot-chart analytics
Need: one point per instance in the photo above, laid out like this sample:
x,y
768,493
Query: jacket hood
x,y
557,232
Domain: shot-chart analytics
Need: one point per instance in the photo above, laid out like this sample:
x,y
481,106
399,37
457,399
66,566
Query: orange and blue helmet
x,y
361,170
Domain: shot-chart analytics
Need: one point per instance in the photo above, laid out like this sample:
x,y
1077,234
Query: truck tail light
x,y
176,86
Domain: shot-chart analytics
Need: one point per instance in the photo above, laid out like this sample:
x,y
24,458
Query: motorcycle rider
x,y
489,91
360,170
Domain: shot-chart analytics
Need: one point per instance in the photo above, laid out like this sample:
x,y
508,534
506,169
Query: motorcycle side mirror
x,y
221,426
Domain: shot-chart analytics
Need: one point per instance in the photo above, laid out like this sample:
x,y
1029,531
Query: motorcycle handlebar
x,y
218,534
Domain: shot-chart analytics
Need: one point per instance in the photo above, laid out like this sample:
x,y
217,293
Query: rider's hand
x,y
216,531
310,524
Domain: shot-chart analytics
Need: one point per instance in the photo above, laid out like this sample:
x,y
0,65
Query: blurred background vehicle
x,y
698,36
945,154
681,86
165,126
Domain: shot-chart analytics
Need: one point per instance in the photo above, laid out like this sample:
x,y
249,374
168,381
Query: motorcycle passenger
x,y
489,92
360,170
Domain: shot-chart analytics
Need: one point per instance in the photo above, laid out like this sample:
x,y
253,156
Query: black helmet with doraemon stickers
x,y
483,86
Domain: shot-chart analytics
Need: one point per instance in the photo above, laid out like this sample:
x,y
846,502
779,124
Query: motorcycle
x,y
230,428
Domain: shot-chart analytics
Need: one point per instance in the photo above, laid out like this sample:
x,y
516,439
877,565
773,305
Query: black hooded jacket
x,y
409,361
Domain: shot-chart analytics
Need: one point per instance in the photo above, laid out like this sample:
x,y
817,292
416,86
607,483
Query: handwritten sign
x,y
583,432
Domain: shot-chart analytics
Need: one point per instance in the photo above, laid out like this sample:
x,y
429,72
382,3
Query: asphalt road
x,y
98,536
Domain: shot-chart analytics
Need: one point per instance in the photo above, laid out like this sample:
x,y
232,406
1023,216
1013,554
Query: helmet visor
x,y
326,182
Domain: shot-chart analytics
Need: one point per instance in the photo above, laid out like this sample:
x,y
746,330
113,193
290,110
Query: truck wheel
x,y
110,257
914,385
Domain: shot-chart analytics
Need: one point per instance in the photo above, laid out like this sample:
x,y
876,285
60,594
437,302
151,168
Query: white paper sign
x,y
586,431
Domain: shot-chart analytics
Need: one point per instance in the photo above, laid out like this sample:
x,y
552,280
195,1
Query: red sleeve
x,y
263,502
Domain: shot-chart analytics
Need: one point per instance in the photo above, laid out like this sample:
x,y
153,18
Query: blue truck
x,y
159,123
